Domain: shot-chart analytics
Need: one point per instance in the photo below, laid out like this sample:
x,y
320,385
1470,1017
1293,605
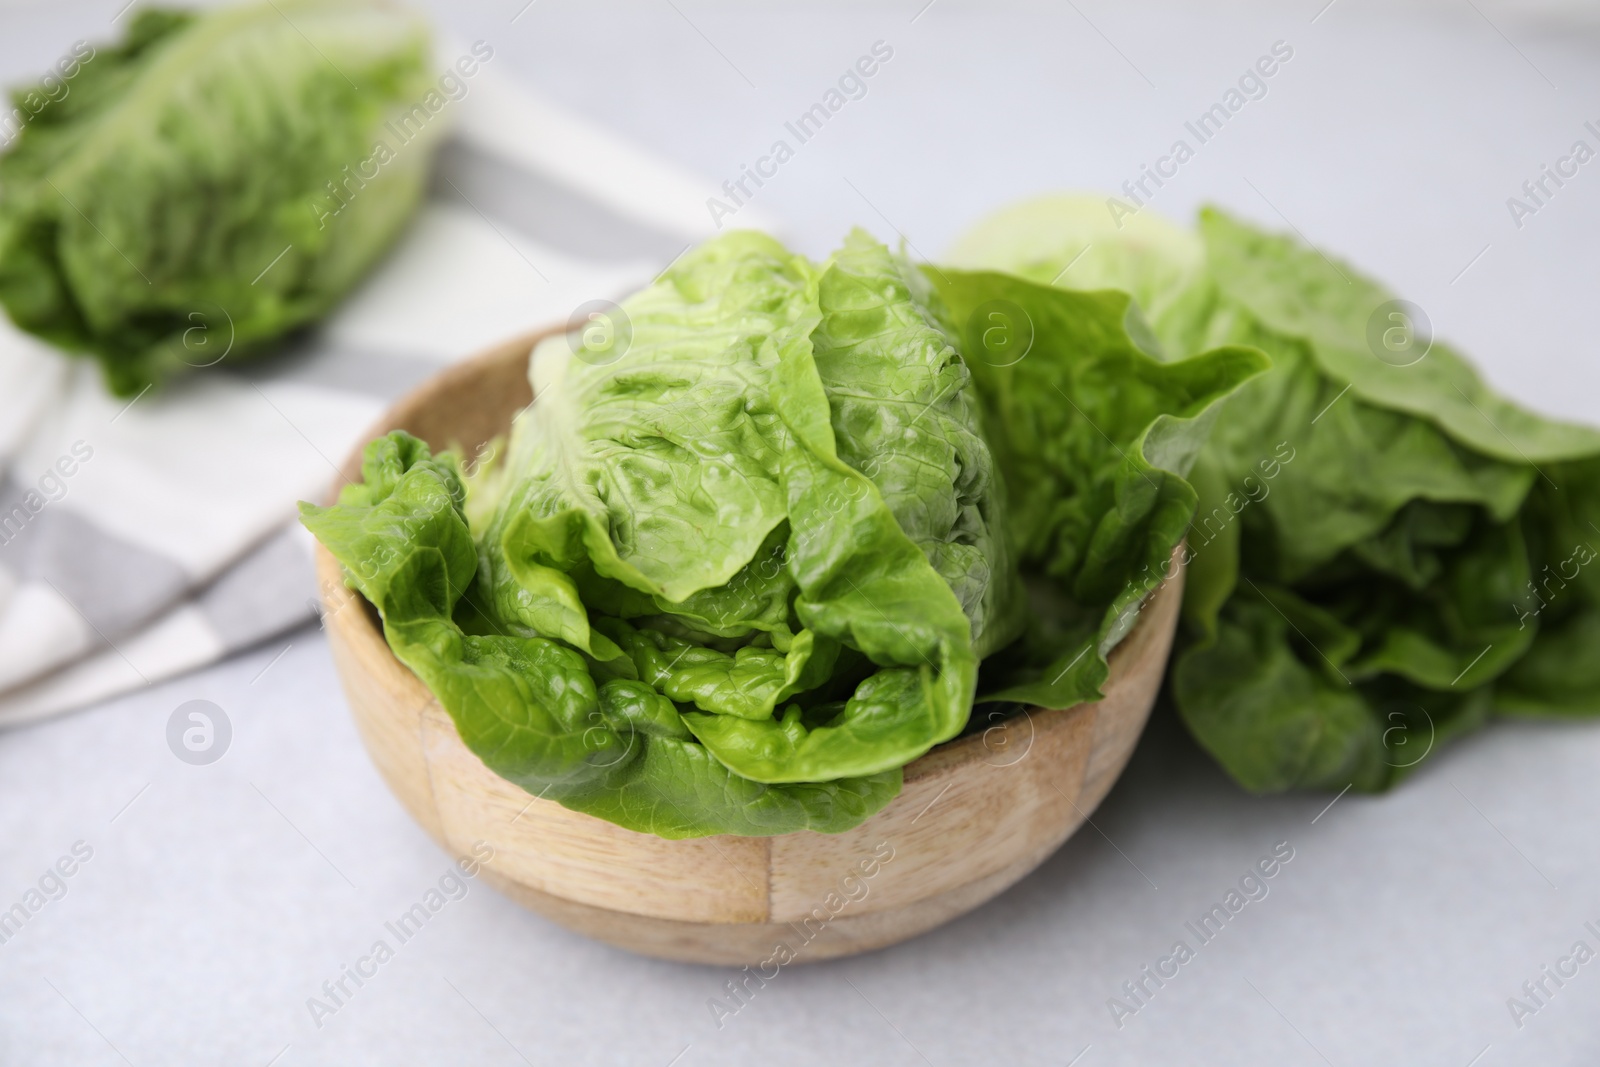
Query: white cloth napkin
x,y
142,539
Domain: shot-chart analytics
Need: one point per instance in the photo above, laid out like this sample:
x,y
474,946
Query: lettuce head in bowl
x,y
731,575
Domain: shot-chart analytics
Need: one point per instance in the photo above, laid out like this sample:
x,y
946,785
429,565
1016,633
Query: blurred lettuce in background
x,y
1385,552
213,181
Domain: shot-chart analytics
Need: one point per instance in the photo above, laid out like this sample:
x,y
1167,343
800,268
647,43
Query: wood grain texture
x,y
976,814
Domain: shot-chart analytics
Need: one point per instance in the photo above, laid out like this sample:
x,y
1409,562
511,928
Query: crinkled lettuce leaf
x,y
529,706
1381,555
175,204
887,533
661,467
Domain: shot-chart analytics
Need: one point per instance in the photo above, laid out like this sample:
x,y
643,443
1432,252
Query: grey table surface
x,y
219,898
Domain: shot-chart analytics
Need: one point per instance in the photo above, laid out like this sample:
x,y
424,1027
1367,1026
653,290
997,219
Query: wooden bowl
x,y
976,814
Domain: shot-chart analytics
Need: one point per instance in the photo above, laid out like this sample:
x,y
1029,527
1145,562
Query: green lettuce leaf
x,y
880,377
1072,241
175,204
1293,291
1560,675
529,706
660,466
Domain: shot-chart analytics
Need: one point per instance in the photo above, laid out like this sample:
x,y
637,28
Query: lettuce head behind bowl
x,y
732,576
1386,552
212,182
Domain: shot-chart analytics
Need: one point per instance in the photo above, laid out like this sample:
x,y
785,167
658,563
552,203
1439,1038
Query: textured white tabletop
x,y
216,899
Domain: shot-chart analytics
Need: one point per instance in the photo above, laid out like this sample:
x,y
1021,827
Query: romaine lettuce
x,y
733,578
173,205
1385,551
